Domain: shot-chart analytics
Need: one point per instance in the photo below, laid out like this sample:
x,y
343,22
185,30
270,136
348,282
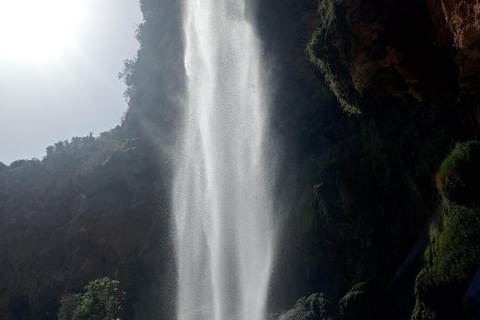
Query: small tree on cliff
x,y
102,300
68,306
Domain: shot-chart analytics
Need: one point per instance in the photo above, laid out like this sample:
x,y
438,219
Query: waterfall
x,y
223,197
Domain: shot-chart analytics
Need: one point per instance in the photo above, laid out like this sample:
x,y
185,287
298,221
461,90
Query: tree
x,y
3,166
102,300
68,306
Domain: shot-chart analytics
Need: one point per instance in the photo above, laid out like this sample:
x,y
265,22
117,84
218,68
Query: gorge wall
x,y
85,211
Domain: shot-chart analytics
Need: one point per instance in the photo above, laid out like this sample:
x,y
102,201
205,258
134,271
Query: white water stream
x,y
223,197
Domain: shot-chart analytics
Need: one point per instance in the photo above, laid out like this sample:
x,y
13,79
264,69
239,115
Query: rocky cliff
x,y
82,213
408,71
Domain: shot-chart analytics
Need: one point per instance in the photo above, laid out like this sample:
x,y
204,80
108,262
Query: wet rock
x,y
314,307
363,301
61,228
370,50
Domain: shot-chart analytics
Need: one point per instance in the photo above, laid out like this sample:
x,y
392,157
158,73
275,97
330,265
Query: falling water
x,y
222,194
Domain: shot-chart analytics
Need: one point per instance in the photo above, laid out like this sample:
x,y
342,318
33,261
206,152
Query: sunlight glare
x,y
33,29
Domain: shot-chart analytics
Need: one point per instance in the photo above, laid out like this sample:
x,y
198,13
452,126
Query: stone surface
x,y
60,229
314,307
401,48
363,301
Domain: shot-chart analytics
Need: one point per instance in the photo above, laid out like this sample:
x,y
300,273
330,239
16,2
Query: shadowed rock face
x,y
77,216
314,307
457,27
428,51
61,229
398,48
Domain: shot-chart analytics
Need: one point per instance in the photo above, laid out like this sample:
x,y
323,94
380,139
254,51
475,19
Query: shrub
x,y
102,300
68,306
456,164
453,253
451,259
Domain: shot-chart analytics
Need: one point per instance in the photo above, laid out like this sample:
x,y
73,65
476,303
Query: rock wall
x,y
66,222
423,55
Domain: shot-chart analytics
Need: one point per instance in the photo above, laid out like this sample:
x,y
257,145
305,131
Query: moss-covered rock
x,y
451,259
453,253
330,56
364,301
458,178
374,193
313,307
373,49
64,221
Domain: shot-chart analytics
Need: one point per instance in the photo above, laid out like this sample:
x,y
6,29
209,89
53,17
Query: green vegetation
x,y
452,255
155,77
451,258
3,166
68,305
82,182
454,249
107,143
102,300
373,194
326,10
327,57
83,153
456,163
332,78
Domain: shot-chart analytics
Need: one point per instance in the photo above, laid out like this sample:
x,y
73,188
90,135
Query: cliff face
x,y
459,22
386,62
426,49
66,221
100,207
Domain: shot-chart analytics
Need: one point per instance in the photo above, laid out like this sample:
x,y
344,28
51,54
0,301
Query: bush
x,y
456,166
451,259
453,253
68,306
102,300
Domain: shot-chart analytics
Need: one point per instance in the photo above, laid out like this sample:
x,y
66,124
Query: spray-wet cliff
x,y
397,201
91,208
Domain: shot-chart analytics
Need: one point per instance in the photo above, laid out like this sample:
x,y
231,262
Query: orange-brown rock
x,y
380,48
457,24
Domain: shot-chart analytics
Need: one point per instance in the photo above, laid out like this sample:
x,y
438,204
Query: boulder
x,y
314,307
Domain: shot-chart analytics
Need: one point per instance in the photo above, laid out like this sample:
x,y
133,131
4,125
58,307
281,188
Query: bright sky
x,y
59,61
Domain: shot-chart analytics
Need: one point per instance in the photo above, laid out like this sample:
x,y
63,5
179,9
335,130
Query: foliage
x,y
80,146
337,86
68,305
17,163
326,9
451,258
453,253
456,163
69,154
107,143
329,60
102,300
155,75
454,249
127,76
373,194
